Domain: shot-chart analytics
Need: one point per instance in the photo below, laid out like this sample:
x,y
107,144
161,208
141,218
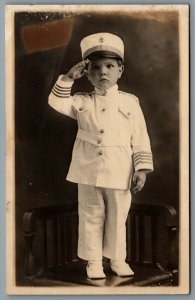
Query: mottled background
x,y
47,44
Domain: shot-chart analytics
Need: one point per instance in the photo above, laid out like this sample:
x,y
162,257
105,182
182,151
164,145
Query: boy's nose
x,y
103,71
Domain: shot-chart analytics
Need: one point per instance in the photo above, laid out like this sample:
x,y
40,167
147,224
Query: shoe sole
x,y
131,275
96,278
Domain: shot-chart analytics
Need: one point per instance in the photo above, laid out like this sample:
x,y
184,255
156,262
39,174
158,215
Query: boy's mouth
x,y
103,79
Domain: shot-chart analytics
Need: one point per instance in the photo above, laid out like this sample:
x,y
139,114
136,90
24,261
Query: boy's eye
x,y
110,66
94,67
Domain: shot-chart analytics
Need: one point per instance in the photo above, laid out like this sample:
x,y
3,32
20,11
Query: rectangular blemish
x,y
46,36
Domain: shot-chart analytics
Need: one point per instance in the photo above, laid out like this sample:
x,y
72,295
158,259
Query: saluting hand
x,y
76,72
139,179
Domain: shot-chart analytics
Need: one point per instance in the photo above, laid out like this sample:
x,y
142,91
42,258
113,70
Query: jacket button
x,y
100,152
99,141
102,131
81,108
103,109
128,113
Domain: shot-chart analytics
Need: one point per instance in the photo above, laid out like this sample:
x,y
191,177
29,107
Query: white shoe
x,y
121,268
95,269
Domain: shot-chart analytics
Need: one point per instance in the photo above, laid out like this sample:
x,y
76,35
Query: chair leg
x,y
29,262
29,234
175,280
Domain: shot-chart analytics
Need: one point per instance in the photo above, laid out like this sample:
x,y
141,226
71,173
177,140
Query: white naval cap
x,y
103,44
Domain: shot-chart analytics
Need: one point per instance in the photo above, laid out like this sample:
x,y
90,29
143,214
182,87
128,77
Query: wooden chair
x,y
50,235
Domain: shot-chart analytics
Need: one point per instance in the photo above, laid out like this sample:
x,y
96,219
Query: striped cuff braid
x,y
61,92
143,160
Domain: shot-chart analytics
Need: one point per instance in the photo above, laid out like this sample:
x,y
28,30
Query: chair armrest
x,y
169,212
163,226
29,224
45,212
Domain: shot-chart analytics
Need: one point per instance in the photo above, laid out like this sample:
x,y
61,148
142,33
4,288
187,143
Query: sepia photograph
x,y
97,149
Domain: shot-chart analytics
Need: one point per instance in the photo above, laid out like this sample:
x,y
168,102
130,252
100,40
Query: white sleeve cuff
x,y
64,83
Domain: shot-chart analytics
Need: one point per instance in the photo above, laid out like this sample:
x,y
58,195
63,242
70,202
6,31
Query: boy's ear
x,y
121,69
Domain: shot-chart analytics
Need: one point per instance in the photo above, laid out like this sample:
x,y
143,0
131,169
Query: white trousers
x,y
102,216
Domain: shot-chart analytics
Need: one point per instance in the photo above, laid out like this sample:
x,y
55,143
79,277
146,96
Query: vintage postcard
x,y
97,149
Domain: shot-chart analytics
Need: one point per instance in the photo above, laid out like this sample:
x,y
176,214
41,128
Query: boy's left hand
x,y
139,179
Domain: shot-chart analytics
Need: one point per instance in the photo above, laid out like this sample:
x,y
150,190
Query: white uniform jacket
x,y
112,139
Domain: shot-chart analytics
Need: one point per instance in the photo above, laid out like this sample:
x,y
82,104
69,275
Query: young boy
x,y
111,144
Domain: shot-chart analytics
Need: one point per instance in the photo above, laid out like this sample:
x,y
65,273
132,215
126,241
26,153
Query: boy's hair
x,y
119,61
105,54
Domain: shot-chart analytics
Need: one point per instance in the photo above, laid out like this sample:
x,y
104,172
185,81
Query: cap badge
x,y
101,40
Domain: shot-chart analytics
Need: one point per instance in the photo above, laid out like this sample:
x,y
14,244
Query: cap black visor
x,y
102,54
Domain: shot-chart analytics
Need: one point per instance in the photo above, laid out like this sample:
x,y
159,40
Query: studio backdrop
x,y
48,44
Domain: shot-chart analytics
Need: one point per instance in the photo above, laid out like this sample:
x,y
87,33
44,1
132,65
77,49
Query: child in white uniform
x,y
112,148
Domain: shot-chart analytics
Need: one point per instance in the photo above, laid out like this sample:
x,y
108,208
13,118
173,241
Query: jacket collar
x,y
111,91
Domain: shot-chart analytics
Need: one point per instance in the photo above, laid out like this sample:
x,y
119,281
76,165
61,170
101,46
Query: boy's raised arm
x,y
62,89
60,98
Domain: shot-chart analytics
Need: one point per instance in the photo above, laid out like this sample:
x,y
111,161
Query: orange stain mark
x,y
41,37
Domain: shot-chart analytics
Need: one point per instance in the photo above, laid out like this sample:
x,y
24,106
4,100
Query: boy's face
x,y
104,72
